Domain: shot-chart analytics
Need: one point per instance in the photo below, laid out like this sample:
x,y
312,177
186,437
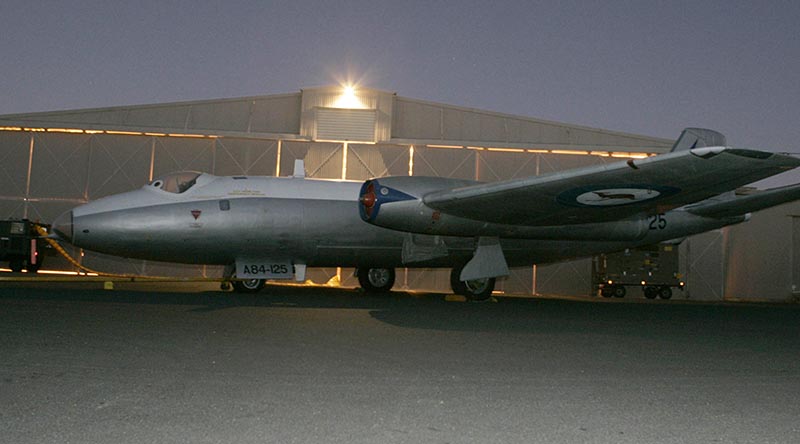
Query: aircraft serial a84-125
x,y
264,228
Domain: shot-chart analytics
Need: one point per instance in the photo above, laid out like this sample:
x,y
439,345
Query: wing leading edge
x,y
614,191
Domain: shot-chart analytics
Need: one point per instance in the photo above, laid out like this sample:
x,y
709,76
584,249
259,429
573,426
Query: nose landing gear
x,y
248,285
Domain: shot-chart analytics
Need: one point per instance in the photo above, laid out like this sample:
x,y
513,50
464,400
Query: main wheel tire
x,y
248,285
376,280
619,291
474,290
665,292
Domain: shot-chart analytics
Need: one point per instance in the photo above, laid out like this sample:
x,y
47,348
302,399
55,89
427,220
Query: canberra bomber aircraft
x,y
264,228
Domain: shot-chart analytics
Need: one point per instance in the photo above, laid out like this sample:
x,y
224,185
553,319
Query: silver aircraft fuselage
x,y
220,220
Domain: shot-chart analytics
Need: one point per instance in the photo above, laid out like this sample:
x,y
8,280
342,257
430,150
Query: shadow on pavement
x,y
432,311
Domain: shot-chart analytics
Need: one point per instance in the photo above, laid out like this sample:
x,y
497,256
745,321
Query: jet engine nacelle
x,y
396,203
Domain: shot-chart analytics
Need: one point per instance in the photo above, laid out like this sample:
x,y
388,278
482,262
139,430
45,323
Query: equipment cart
x,y
20,245
654,268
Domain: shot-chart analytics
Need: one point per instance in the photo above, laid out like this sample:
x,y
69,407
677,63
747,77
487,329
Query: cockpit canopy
x,y
176,182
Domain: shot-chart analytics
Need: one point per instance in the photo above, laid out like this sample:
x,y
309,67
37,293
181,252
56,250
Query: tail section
x,y
736,206
691,138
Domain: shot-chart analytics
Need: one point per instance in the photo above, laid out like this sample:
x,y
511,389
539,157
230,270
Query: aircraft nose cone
x,y
62,226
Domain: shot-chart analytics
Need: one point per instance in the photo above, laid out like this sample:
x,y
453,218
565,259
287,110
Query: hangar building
x,y
53,161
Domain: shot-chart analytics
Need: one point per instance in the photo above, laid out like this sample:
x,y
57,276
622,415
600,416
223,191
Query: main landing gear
x,y
474,290
381,280
376,280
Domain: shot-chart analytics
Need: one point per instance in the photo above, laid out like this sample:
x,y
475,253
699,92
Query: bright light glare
x,y
348,98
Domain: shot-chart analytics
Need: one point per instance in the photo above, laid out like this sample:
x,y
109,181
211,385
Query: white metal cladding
x,y
439,123
345,124
275,114
365,161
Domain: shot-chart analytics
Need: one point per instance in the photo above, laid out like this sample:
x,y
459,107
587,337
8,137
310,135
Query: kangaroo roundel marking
x,y
610,196
616,196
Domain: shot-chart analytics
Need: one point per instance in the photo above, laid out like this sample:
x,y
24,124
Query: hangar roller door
x,y
356,125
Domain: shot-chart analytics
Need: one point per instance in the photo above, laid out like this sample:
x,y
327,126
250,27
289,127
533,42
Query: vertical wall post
x,y
28,181
345,145
535,268
278,162
88,169
213,163
152,158
411,160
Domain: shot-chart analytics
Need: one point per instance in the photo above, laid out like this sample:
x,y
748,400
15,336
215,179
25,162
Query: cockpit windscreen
x,y
176,183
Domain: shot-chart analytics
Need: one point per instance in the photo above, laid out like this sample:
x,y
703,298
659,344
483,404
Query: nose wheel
x,y
248,285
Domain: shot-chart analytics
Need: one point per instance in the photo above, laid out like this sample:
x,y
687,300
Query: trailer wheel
x,y
15,265
665,292
619,291
606,292
650,292
33,268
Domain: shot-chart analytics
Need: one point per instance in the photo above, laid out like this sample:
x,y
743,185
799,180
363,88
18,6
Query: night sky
x,y
637,66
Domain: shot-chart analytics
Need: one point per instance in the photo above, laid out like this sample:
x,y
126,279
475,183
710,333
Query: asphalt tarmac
x,y
318,365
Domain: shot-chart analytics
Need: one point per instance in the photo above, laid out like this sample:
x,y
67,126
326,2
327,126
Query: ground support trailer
x,y
653,268
20,245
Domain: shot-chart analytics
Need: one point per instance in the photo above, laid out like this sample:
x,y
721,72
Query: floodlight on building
x,y
348,98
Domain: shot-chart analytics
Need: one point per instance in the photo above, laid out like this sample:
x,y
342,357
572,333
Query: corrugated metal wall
x,y
761,256
278,114
426,121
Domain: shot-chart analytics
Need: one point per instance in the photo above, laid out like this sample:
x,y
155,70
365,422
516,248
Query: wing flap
x,y
613,191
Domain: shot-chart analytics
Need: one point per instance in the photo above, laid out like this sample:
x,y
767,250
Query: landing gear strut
x,y
376,280
474,290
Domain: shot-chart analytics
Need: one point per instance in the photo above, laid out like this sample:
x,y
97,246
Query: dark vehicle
x,y
20,245
654,268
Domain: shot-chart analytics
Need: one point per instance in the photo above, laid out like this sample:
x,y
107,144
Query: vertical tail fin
x,y
696,138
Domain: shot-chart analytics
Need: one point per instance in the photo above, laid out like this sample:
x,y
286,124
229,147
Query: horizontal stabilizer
x,y
740,205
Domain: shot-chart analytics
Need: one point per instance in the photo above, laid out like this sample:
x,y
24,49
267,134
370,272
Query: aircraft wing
x,y
614,191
